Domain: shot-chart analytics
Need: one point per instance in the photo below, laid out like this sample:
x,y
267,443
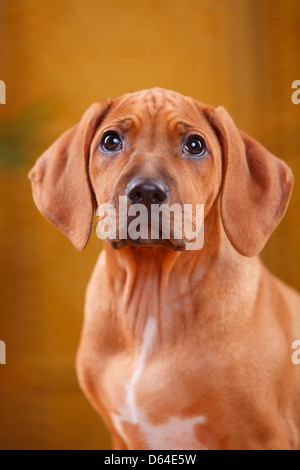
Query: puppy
x,y
180,348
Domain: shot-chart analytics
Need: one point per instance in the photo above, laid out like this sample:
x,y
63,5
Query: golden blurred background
x,y
59,56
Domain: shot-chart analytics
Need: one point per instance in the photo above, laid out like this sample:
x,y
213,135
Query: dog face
x,y
155,147
158,147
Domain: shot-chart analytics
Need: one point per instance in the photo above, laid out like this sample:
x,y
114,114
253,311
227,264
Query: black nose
x,y
147,191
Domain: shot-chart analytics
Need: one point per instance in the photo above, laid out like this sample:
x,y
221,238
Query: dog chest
x,y
133,421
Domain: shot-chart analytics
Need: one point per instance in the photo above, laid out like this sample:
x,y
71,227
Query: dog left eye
x,y
195,146
111,142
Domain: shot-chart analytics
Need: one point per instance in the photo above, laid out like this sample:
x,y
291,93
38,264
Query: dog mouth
x,y
168,227
147,243
160,240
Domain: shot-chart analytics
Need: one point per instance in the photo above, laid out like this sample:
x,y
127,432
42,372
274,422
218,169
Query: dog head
x,y
159,148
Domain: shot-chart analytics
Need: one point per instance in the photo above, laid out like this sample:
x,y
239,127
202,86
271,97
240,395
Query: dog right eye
x,y
111,142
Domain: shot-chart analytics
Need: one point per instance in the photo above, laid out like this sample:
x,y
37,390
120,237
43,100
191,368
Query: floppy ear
x,y
60,181
256,186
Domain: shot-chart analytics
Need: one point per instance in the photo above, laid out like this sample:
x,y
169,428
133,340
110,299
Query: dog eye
x,y
194,145
111,142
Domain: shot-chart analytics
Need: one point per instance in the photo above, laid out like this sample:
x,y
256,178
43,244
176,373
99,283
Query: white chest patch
x,y
176,433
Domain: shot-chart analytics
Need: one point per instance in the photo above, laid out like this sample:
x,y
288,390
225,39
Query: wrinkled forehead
x,y
160,107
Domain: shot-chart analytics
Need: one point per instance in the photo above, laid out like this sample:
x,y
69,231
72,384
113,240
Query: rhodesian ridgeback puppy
x,y
180,349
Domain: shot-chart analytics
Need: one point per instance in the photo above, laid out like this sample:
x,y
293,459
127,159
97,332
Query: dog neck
x,y
154,282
